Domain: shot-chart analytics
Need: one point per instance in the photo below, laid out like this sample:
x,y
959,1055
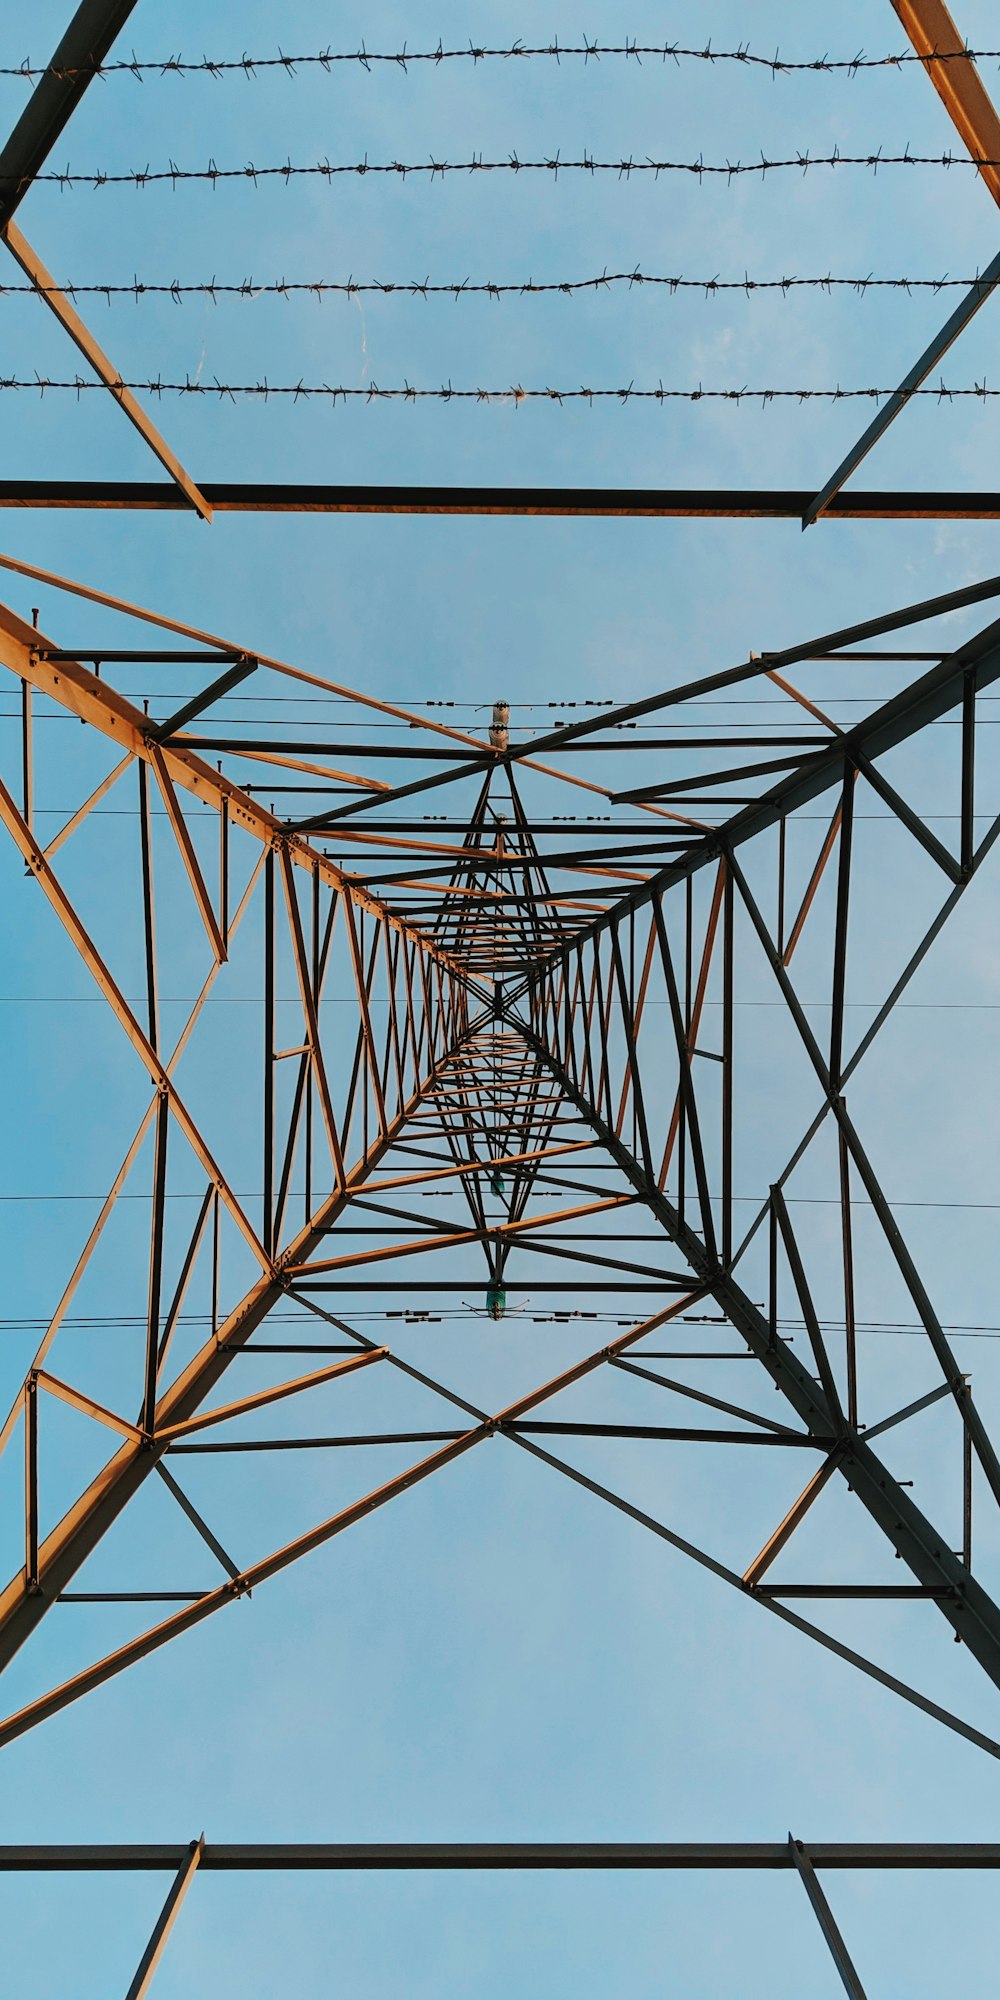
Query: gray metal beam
x,y
225,1857
826,1920
90,34
971,110
955,324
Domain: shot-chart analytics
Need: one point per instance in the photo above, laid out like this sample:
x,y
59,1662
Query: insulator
x,y
500,725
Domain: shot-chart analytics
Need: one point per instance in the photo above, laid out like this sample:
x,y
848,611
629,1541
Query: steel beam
x,y
968,1608
67,1546
93,353
227,1857
982,289
826,1920
84,694
958,83
927,699
23,650
94,27
165,1921
967,102
564,502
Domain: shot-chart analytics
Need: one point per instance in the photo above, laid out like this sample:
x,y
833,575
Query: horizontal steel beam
x,y
93,353
220,1856
967,102
627,502
956,323
26,653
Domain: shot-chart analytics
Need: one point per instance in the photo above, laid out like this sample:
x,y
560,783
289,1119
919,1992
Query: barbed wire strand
x,y
370,59
250,288
623,169
370,392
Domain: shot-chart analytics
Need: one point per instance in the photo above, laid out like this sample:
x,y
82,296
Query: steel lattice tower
x,y
531,1000
538,1086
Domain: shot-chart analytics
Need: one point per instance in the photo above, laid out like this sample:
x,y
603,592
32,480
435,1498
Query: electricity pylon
x,y
545,1027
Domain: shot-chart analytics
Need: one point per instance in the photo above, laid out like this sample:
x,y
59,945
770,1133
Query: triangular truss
x,y
501,1065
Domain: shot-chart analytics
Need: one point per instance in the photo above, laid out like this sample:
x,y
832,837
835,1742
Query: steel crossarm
x,y
969,670
23,650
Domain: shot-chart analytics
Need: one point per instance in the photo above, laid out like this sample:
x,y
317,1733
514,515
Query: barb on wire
x,y
319,288
263,391
622,169
145,177
629,50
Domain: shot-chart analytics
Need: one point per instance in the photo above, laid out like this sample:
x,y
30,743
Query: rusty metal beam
x,y
67,1546
94,27
483,1427
958,83
185,844
80,334
165,1922
85,695
786,1528
633,503
224,1414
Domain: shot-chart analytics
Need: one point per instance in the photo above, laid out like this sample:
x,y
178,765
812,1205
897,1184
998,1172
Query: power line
x,y
623,168
635,732
795,1201
114,1322
371,59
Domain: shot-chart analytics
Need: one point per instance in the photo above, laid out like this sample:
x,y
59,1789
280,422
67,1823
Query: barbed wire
x,y
587,51
623,169
250,288
370,392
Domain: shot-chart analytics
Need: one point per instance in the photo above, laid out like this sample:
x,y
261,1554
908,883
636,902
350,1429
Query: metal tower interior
x,y
457,1145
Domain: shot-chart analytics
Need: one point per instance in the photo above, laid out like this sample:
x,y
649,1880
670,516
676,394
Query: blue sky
x,y
496,1655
